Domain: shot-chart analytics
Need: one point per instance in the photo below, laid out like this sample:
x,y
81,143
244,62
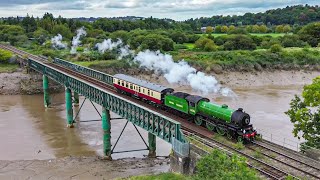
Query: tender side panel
x,y
177,103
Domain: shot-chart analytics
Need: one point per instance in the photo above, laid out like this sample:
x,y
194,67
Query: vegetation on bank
x,y
215,165
304,113
5,65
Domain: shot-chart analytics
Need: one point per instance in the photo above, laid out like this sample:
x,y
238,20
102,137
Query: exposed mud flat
x,y
22,83
250,79
81,168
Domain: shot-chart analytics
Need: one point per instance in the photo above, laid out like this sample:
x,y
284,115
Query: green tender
x,y
176,103
222,112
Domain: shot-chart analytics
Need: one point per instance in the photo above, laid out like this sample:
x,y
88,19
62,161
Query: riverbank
x,y
81,168
252,79
22,83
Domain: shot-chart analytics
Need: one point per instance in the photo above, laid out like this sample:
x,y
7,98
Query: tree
x,y
5,56
217,29
218,165
209,29
263,29
311,34
255,29
237,42
304,113
205,44
286,28
279,29
63,30
231,28
224,29
276,48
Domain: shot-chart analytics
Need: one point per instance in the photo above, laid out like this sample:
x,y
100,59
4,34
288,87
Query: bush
x,y
238,42
276,48
218,165
205,44
5,56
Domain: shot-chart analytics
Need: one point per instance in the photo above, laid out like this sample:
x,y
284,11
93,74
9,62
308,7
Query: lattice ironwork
x,y
153,122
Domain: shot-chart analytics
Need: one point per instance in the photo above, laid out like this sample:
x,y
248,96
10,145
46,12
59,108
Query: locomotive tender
x,y
226,121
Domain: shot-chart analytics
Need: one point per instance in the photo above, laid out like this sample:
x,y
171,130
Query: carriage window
x,y
127,84
151,93
119,82
148,92
131,87
122,83
139,89
143,90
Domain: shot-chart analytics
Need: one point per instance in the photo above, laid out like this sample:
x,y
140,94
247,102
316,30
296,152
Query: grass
x,y
239,146
89,63
8,68
162,176
253,34
189,45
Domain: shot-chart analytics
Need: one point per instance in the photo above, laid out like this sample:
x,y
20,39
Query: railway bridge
x,y
97,87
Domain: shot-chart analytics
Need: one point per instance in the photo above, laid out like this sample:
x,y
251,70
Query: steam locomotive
x,y
235,124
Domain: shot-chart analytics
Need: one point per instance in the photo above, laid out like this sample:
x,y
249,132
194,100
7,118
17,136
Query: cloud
x,y
174,9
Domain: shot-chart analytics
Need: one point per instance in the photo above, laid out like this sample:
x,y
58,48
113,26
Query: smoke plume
x,y
56,42
76,40
108,44
180,72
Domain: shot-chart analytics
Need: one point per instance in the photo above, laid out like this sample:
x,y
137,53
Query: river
x,y
29,131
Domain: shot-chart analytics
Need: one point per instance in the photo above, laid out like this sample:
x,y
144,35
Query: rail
x,y
86,71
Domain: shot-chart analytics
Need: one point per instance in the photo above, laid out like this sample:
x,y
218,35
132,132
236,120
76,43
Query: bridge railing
x,y
84,70
153,122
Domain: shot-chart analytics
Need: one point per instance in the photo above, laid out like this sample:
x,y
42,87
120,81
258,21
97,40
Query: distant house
x,y
203,29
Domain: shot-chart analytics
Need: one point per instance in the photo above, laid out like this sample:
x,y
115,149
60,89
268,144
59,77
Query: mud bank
x,y
81,168
22,83
251,79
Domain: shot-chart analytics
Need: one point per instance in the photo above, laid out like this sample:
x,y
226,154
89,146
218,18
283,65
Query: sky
x,y
173,9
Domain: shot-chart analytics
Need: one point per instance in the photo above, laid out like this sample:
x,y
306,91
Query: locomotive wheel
x,y
229,134
210,126
221,131
198,121
240,139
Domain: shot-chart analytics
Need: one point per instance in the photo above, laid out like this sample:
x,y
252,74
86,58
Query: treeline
x,y
292,15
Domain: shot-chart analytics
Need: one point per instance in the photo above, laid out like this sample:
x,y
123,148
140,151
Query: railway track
x,y
266,169
300,164
204,135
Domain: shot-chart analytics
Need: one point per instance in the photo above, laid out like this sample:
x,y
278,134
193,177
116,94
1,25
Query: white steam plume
x,y
108,44
180,72
56,42
76,40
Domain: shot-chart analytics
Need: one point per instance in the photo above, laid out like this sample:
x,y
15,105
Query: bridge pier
x,y
46,95
152,145
76,98
106,126
69,108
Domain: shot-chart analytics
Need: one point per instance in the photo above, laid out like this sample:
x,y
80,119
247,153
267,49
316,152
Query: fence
x,y
280,140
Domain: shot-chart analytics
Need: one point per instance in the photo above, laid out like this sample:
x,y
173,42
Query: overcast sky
x,y
174,9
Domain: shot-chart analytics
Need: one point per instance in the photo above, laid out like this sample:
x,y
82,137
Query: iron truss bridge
x,y
78,79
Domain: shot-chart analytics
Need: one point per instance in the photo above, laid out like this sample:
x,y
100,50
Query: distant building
x,y
203,29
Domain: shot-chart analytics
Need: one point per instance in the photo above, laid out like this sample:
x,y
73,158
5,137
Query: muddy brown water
x,y
29,131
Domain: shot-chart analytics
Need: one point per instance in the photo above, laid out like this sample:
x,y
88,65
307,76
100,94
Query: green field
x,y
253,34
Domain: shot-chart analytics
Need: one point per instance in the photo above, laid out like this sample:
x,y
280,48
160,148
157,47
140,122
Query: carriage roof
x,y
143,83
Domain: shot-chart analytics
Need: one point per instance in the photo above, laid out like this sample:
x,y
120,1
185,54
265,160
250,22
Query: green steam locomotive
x,y
235,124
